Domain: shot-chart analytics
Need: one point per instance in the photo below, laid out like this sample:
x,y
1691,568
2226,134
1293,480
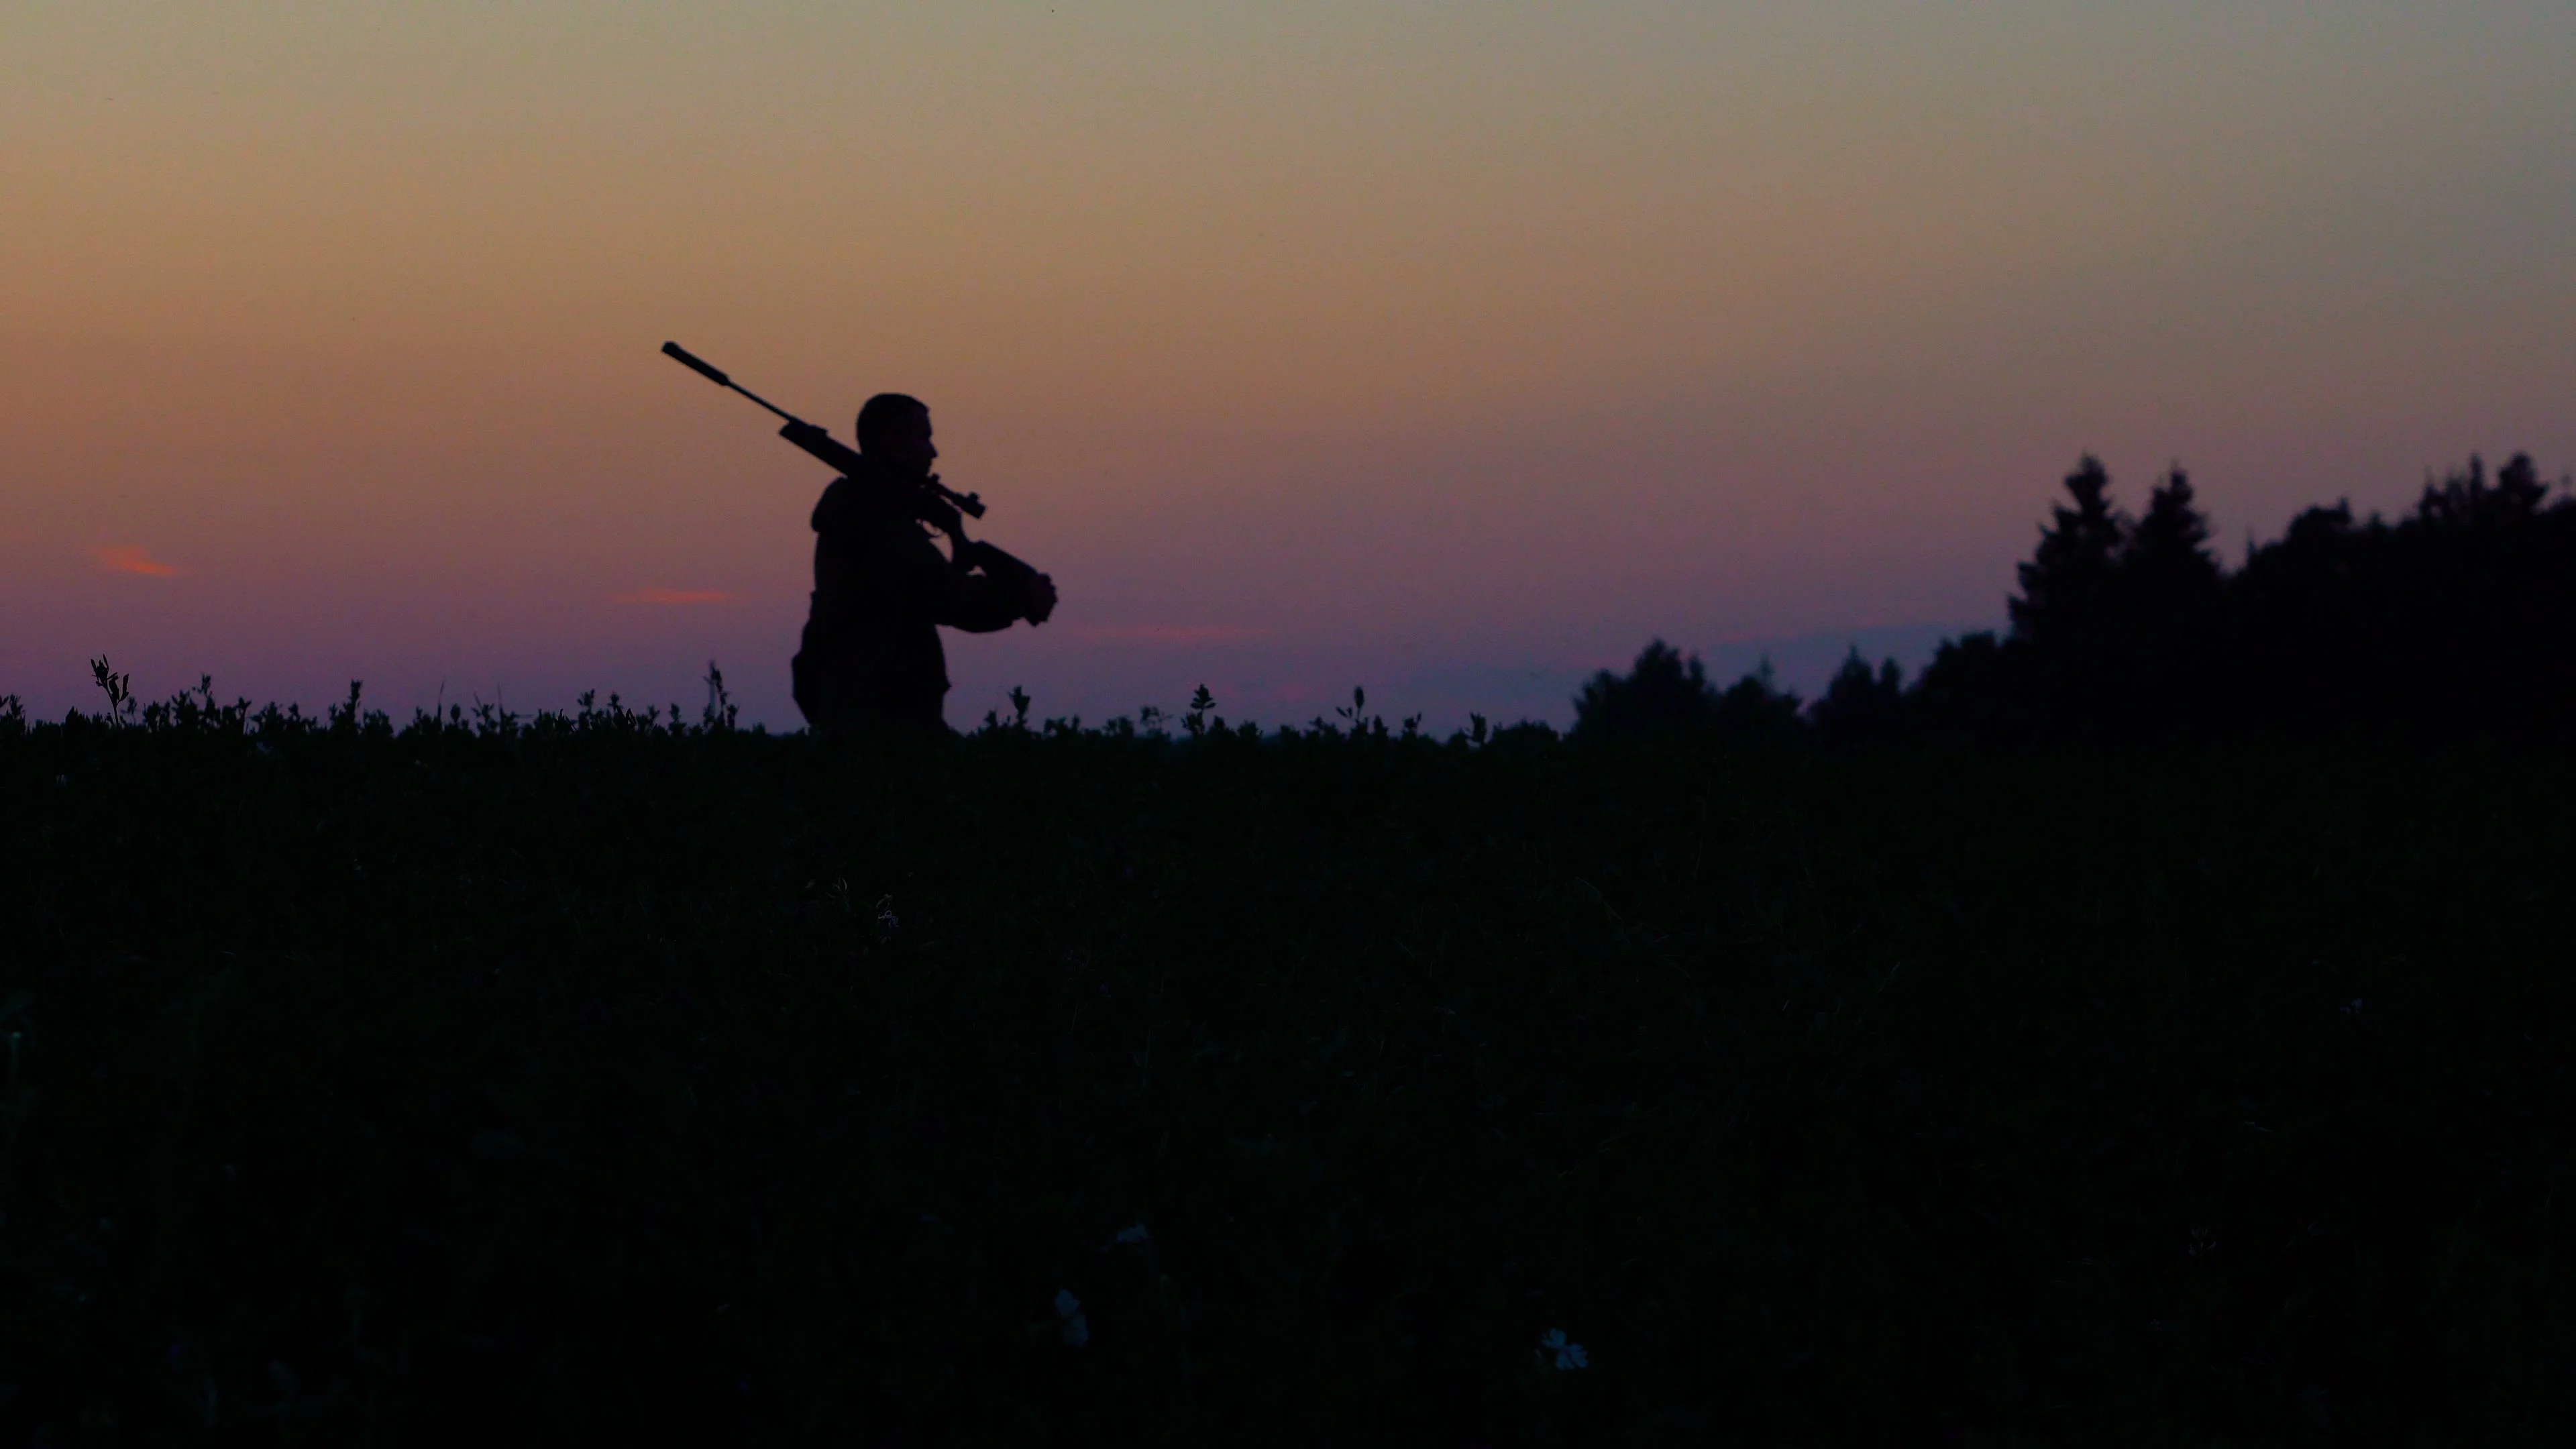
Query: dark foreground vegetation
x,y
584,1080
2150,1027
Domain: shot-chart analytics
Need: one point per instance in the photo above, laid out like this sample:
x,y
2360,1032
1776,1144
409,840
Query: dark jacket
x,y
881,589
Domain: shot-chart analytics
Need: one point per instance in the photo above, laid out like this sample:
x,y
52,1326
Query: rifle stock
x,y
999,564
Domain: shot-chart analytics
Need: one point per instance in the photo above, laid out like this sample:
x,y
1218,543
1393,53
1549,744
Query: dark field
x,y
584,1081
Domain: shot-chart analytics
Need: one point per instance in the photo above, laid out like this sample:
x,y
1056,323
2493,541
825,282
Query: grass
x,y
585,1079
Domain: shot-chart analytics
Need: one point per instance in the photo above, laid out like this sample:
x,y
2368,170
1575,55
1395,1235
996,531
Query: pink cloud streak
x,y
1164,633
130,559
673,596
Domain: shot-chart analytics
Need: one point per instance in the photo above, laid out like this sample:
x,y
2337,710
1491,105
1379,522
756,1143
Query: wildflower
x,y
1077,1329
1569,1354
1134,1237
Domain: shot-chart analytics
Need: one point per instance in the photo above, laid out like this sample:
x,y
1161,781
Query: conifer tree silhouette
x,y
2062,635
1665,695
2159,660
2063,585
1860,706
2457,621
1661,694
2167,559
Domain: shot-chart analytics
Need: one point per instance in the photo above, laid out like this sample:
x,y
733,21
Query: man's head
x,y
894,429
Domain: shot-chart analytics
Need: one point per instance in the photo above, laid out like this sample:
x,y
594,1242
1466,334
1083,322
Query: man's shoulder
x,y
860,501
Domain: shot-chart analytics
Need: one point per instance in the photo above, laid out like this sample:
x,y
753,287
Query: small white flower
x,y
1077,1328
1569,1354
1132,1237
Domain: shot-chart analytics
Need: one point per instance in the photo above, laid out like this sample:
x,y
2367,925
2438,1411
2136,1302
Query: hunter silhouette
x,y
870,653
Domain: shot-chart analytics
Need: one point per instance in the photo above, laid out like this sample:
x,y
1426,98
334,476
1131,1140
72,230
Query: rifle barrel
x,y
703,368
695,364
970,504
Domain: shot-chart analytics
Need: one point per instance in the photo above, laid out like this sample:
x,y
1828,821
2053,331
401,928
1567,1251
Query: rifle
x,y
939,503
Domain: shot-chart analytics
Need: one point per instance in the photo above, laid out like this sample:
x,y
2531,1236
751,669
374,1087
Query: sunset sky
x,y
1450,350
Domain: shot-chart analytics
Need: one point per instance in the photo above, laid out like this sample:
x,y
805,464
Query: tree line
x,y
2455,621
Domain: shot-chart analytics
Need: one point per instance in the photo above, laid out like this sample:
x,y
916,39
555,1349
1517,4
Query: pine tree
x,y
2167,554
2159,649
1661,693
2063,585
1860,705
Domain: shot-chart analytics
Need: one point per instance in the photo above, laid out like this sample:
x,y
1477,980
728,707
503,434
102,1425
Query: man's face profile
x,y
907,446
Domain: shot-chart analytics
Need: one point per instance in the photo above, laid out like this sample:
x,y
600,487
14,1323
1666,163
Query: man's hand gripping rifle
x,y
937,505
